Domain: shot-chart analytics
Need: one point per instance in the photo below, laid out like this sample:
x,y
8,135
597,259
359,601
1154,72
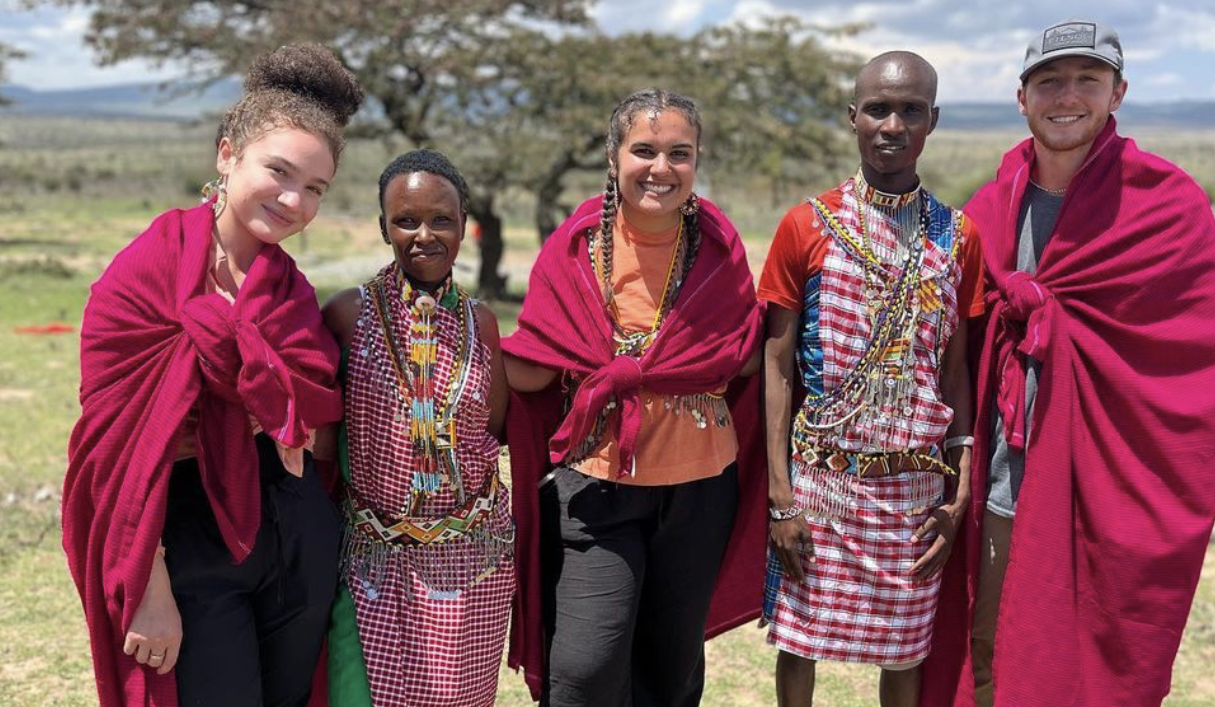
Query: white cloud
x,y
1165,80
684,12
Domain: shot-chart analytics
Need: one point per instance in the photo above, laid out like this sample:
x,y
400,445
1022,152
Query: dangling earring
x,y
217,188
691,206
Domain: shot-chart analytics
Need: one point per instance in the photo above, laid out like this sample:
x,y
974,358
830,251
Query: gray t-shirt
x,y
1036,221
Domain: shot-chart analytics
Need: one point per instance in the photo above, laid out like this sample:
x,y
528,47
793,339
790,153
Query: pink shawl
x,y
714,327
1117,503
153,344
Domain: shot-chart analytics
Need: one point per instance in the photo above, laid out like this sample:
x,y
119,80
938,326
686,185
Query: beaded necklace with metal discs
x,y
432,429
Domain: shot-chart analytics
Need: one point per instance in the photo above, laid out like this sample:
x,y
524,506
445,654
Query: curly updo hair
x,y
300,86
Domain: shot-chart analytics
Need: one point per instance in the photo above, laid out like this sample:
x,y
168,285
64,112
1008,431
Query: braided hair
x,y
651,102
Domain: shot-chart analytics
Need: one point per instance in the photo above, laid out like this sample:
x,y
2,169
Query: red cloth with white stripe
x,y
433,623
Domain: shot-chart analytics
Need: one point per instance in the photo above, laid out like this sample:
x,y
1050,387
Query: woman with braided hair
x,y
197,529
427,564
640,312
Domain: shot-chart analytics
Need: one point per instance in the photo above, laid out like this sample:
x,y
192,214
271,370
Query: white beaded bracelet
x,y
959,442
785,513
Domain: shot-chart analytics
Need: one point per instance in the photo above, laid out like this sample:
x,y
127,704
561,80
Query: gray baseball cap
x,y
1073,38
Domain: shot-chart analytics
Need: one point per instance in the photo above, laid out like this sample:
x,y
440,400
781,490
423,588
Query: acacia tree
x,y
518,91
409,55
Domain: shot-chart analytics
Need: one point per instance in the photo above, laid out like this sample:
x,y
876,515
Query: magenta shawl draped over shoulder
x,y
710,333
153,344
1118,499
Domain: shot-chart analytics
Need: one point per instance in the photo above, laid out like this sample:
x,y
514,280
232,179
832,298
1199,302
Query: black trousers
x,y
629,574
252,633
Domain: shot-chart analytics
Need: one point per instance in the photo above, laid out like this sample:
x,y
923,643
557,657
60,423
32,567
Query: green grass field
x,y
58,232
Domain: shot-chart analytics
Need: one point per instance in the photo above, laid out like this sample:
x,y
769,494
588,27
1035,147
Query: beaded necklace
x,y
432,431
635,343
884,377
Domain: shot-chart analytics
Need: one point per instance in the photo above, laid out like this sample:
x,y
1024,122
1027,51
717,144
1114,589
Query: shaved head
x,y
906,68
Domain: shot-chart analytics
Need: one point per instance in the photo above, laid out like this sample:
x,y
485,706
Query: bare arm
x,y
339,314
499,394
751,367
527,377
787,535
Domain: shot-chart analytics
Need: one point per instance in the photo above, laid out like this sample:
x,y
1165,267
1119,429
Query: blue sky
x,y
976,45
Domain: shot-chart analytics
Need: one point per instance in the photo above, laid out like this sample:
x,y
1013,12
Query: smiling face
x,y
892,115
275,185
1068,101
655,169
422,220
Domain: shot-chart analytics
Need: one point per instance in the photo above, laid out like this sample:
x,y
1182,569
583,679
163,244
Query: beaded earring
x,y
217,188
691,206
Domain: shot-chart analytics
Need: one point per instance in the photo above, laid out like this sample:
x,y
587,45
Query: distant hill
x,y
151,100
135,100
1178,115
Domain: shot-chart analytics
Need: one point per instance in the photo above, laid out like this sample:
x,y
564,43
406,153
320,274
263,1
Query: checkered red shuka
x,y
433,625
859,602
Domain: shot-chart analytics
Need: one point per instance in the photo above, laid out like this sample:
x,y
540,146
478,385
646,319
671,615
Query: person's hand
x,y
790,539
293,459
155,635
945,521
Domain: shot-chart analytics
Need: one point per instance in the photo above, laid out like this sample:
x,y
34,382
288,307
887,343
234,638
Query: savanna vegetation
x,y
73,192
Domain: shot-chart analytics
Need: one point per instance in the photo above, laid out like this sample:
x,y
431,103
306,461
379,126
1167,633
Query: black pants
x,y
252,633
629,574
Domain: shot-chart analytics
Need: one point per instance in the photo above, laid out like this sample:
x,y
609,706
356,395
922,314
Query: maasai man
x,y
869,288
1096,395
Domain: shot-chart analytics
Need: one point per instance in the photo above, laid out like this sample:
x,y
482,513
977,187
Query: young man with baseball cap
x,y
1092,502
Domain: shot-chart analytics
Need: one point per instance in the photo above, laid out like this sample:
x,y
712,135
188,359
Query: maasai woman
x,y
427,566
199,535
642,308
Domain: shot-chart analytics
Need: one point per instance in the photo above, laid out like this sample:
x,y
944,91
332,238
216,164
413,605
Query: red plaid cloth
x,y
858,602
432,619
845,330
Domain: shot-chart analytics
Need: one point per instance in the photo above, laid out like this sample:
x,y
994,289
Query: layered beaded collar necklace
x,y
432,429
869,194
883,379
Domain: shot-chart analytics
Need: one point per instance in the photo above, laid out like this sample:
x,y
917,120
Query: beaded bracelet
x,y
959,442
785,513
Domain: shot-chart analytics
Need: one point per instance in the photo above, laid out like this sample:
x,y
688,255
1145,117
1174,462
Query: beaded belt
x,y
416,531
870,464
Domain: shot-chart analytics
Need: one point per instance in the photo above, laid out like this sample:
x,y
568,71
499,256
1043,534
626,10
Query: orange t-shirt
x,y
670,449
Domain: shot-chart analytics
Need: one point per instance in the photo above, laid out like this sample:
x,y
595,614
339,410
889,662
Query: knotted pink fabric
x,y
711,331
154,344
1023,311
1116,505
